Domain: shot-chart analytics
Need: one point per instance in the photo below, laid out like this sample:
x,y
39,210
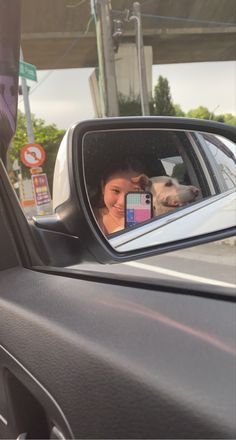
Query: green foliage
x,y
162,100
178,111
199,113
49,136
161,104
218,118
203,113
129,106
230,119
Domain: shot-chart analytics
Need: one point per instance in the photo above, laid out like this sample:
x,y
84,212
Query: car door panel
x,y
108,358
123,362
29,410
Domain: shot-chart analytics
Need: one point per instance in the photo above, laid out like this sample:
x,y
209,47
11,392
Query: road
x,y
213,264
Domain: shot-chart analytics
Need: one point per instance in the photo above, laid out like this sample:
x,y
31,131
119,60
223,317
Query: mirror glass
x,y
153,186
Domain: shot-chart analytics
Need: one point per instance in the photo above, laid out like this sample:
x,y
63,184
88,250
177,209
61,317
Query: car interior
x,y
87,352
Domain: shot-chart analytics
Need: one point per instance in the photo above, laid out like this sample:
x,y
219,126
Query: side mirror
x,y
187,165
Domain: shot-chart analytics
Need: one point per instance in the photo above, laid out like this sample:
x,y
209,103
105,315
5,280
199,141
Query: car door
x,y
93,355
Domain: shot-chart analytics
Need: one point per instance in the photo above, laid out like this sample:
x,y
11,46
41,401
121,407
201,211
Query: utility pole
x,y
141,59
25,94
101,10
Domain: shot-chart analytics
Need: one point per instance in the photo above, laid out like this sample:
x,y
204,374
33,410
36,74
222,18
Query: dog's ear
x,y
143,181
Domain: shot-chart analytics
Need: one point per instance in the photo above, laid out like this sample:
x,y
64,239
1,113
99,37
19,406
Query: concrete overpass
x,y
59,34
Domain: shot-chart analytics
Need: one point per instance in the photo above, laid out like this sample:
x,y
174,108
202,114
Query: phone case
x,y
138,208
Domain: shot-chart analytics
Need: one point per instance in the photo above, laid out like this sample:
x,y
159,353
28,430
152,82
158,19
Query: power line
x,y
181,19
189,20
76,5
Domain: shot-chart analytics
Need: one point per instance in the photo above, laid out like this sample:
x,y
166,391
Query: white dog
x,y
167,192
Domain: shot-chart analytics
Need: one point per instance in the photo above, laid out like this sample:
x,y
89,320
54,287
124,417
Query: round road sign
x,y
33,155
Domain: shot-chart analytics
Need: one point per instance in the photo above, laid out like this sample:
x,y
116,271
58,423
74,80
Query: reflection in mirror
x,y
179,169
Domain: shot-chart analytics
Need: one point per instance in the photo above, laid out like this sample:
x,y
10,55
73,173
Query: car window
x,y
168,154
174,166
224,157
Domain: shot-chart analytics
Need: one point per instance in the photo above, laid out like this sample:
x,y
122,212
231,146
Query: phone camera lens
x,y
147,196
148,202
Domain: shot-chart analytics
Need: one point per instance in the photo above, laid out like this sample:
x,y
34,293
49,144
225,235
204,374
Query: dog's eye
x,y
169,183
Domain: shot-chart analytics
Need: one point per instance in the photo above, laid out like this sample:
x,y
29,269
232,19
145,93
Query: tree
x,y
203,113
49,136
131,106
218,118
199,113
162,100
230,119
178,111
161,104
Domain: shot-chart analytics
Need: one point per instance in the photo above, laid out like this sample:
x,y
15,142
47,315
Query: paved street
x,y
213,264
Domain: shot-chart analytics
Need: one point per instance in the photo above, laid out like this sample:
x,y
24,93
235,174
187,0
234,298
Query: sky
x,y
63,97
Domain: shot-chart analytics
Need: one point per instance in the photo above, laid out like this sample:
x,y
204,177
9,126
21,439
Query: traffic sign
x,y
33,155
28,71
41,189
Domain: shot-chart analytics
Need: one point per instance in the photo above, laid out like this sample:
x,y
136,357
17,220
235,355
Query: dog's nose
x,y
195,191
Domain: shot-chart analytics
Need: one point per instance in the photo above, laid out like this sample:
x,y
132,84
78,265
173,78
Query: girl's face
x,y
114,190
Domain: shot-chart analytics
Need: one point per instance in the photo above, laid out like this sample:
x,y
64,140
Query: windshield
x,y
80,61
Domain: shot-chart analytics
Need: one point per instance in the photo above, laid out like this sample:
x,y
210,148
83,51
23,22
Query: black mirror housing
x,y
72,205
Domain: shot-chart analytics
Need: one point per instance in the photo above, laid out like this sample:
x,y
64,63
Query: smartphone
x,y
138,208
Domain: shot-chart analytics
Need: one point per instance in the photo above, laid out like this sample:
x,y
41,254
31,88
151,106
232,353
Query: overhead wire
x,y
189,20
182,19
76,5
144,15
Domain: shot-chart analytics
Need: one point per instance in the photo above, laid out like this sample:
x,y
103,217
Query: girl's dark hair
x,y
121,165
111,152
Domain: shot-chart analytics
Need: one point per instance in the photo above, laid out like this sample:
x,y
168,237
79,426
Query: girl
x,y
115,183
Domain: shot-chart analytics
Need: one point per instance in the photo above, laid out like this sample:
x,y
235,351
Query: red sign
x,y
41,189
33,155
